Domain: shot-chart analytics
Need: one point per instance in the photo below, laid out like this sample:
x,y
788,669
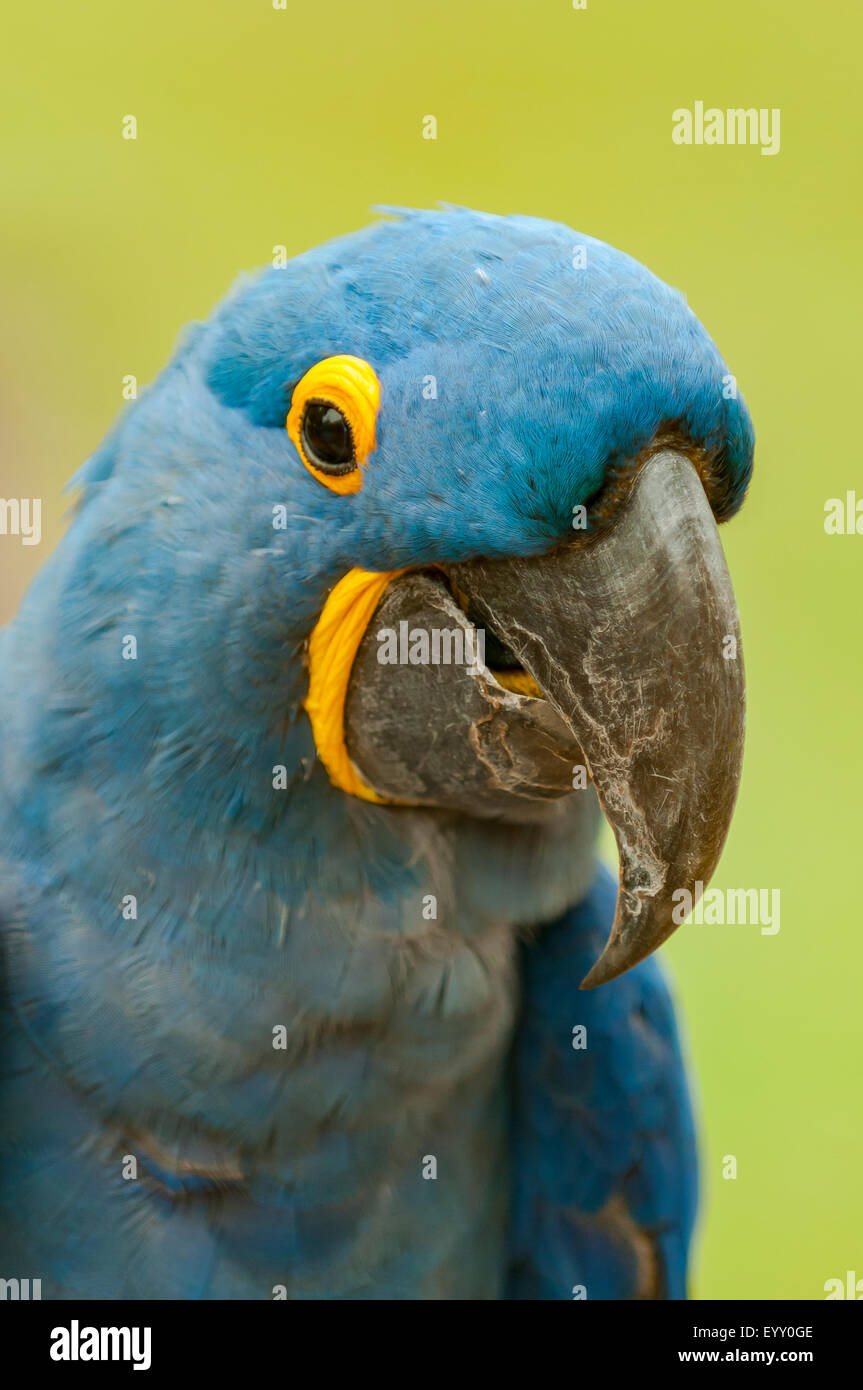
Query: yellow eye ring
x,y
332,420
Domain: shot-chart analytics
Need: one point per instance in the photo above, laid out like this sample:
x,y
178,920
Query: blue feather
x,y
151,1036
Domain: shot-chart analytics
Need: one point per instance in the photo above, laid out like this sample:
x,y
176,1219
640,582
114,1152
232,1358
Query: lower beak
x,y
632,637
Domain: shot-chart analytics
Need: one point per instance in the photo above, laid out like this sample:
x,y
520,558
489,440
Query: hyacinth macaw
x,y
294,934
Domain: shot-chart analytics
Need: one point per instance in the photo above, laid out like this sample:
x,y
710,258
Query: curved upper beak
x,y
632,636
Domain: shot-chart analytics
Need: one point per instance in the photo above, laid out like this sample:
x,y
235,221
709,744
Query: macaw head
x,y
438,501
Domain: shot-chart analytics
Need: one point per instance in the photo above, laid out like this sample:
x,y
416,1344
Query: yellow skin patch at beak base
x,y
352,386
332,648
520,682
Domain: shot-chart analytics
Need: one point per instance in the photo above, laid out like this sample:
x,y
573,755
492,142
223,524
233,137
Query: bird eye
x,y
327,439
332,420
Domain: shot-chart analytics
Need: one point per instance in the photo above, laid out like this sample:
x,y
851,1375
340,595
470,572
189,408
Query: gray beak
x,y
633,638
631,635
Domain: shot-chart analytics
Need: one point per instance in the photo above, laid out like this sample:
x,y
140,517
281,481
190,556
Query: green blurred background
x,y
258,127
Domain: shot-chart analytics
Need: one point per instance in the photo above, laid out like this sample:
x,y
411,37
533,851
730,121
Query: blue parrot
x,y
403,572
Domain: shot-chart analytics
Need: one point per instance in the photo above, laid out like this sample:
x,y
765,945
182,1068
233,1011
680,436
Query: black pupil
x,y
327,438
